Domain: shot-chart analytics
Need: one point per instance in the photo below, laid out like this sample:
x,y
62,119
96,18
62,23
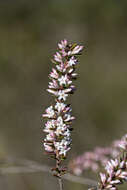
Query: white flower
x,y
62,130
72,61
54,74
63,146
63,44
58,57
53,84
109,168
64,80
60,106
47,130
67,133
115,163
48,148
70,71
103,177
63,151
65,142
49,112
123,175
59,120
61,67
122,164
74,74
117,181
51,124
118,173
60,126
62,95
59,130
57,145
76,50
69,117
49,137
52,92
69,89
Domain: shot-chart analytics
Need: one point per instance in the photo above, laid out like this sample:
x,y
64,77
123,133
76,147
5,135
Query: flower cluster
x,y
58,126
115,170
116,173
90,160
96,159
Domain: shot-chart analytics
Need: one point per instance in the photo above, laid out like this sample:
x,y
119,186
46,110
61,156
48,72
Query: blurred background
x,y
29,33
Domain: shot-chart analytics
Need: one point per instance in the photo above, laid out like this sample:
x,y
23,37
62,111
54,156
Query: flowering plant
x,y
95,160
115,169
113,159
59,126
59,119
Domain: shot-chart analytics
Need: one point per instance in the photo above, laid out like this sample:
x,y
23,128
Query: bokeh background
x,y
29,33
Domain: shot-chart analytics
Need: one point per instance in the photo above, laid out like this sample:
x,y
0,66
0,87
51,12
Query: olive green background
x,y
29,33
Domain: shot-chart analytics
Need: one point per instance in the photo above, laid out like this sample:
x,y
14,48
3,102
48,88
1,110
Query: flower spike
x,y
58,127
115,169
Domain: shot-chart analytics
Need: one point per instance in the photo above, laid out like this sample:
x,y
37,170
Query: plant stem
x,y
60,183
58,161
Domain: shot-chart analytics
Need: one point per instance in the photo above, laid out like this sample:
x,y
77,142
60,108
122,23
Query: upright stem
x,y
59,173
60,183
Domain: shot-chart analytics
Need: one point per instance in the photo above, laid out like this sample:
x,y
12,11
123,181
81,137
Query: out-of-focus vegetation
x,y
29,32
